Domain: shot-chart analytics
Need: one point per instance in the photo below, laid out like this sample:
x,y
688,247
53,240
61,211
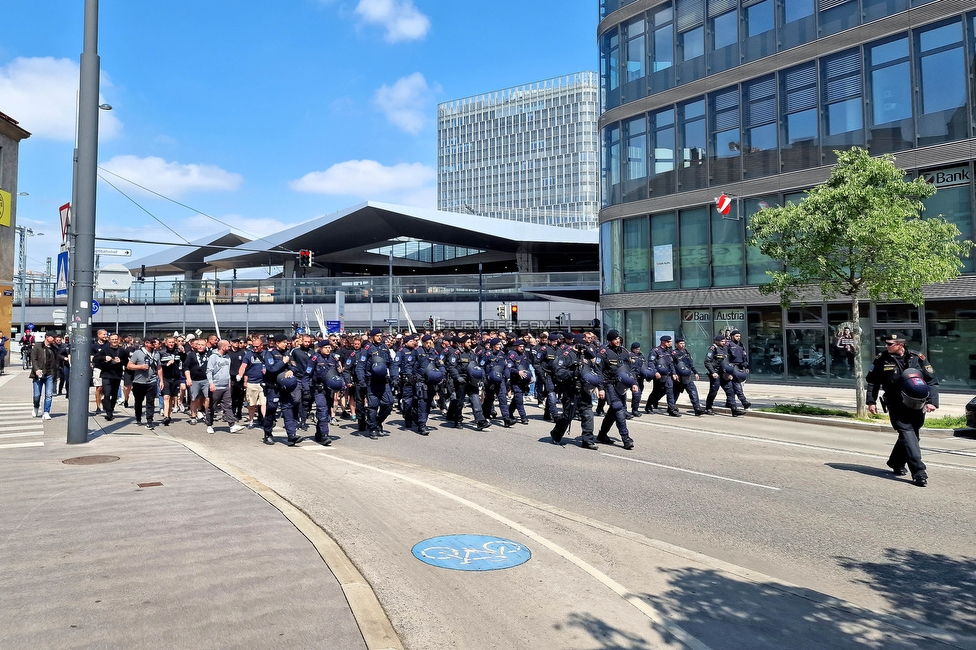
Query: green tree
x,y
859,234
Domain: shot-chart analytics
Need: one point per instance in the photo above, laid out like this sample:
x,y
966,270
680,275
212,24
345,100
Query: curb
x,y
374,624
847,423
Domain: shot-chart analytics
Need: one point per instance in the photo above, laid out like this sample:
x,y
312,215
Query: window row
x,y
676,43
700,248
908,90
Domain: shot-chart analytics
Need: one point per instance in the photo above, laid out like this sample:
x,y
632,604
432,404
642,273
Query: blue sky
x,y
263,114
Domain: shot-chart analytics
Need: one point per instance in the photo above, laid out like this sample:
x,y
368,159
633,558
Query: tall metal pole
x,y
390,310
84,231
481,285
24,232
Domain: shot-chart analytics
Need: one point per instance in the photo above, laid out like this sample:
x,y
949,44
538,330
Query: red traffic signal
x,y
305,258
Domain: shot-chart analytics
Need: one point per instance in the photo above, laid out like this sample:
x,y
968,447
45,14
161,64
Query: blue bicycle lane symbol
x,y
471,552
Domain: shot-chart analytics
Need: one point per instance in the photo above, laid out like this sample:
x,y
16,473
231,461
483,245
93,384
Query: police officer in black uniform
x,y
576,377
326,378
716,364
301,366
684,367
404,374
640,364
738,359
902,373
279,389
431,373
468,376
497,373
520,377
373,376
615,364
660,360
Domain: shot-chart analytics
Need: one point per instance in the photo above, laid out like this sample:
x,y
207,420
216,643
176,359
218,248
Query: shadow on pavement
x,y
607,636
727,613
929,588
868,470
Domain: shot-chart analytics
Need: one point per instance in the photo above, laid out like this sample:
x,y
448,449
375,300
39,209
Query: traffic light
x,y
305,258
514,313
502,311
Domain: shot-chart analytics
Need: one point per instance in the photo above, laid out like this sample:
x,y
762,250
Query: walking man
x,y
44,360
218,374
146,375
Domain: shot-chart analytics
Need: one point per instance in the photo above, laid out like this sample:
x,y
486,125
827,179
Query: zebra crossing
x,y
19,428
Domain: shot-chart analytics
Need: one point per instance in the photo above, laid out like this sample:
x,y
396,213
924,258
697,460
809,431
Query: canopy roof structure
x,y
180,260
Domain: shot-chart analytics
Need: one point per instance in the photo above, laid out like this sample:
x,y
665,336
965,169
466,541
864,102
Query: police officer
x,y
468,377
520,377
739,360
684,367
301,366
639,367
373,376
576,377
404,374
910,391
326,378
615,363
279,388
546,366
660,360
716,364
431,373
497,375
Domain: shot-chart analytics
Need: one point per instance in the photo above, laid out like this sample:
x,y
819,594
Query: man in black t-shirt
x,y
111,359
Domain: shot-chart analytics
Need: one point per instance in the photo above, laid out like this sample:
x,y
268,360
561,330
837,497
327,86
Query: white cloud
x,y
405,102
368,179
171,179
400,18
40,93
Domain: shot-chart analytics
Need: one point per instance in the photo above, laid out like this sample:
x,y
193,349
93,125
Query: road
x,y
713,533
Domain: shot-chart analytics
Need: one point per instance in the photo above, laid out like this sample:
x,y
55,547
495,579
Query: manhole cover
x,y
90,460
471,552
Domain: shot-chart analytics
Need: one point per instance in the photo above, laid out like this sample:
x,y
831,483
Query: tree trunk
x,y
860,395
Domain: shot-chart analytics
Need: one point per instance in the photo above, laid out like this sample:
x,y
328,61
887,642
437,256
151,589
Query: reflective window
x,y
692,44
728,269
635,162
725,30
662,153
689,23
756,263
949,330
954,204
759,18
635,254
810,315
723,25
760,156
664,244
723,157
610,256
691,128
841,92
806,352
611,173
890,82
794,10
637,328
942,112
759,37
694,257
897,313
798,23
875,9
661,53
634,57
611,71
798,98
837,16
765,341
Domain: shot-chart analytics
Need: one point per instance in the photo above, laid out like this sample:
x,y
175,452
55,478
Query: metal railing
x,y
504,287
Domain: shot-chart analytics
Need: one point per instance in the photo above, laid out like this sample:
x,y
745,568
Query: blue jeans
x,y
48,384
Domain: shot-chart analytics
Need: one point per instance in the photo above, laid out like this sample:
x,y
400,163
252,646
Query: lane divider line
x,y
18,445
688,471
22,434
636,601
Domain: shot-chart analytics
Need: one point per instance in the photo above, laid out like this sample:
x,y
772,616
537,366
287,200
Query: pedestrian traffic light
x,y
514,313
305,258
502,311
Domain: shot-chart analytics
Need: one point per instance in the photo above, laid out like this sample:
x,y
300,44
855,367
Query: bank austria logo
x,y
948,177
730,315
695,316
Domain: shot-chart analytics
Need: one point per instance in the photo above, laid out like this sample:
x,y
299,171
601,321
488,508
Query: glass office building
x,y
752,98
529,153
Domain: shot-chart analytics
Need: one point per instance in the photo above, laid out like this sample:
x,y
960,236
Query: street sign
x,y
61,284
65,211
30,326
8,292
114,252
94,307
391,321
333,327
59,316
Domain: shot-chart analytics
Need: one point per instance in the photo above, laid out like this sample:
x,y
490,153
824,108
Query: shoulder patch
x,y
922,357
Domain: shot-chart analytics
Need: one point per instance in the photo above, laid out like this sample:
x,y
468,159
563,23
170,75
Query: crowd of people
x,y
314,381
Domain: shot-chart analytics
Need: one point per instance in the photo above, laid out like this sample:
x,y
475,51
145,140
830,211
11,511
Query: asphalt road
x,y
714,532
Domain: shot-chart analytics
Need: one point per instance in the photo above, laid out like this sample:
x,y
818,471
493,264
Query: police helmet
x,y
433,373
625,376
740,374
377,367
647,372
682,370
591,379
914,390
334,381
495,374
288,382
475,372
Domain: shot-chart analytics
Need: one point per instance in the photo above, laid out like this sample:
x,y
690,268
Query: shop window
x,y
943,114
809,315
691,128
666,321
637,329
664,242
951,336
613,319
890,79
806,353
766,341
610,256
913,338
897,313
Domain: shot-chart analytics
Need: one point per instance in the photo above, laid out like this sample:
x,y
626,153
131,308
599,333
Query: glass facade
x,y
530,153
909,90
891,92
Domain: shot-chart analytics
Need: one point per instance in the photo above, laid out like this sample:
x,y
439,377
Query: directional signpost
x,y
94,307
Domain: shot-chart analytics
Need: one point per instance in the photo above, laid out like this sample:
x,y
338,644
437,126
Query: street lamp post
x,y
24,233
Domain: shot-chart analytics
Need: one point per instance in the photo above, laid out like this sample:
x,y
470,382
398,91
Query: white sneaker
x,y
35,411
201,417
237,428
210,429
46,416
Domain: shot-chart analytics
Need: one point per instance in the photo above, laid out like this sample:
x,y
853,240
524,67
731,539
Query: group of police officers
x,y
492,375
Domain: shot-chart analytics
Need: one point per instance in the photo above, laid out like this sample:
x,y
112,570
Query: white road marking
x,y
632,598
22,444
773,441
21,434
688,471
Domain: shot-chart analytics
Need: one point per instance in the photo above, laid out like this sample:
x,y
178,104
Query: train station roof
x,y
188,257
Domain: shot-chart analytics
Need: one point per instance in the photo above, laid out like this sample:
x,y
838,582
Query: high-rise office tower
x,y
529,153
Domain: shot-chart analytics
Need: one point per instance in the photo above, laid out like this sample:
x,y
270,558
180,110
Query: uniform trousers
x,y
907,450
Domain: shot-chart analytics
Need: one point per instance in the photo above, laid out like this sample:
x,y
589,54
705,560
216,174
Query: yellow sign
x,y
6,206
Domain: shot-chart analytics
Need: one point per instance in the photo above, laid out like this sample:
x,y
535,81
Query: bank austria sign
x,y
949,177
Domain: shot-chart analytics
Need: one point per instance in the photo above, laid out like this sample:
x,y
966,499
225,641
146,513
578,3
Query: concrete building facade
x,y
528,153
10,136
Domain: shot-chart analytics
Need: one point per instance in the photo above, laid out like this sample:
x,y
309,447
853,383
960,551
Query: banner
x,y
6,208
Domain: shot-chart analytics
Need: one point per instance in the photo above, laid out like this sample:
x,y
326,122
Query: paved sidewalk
x,y
194,559
764,395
